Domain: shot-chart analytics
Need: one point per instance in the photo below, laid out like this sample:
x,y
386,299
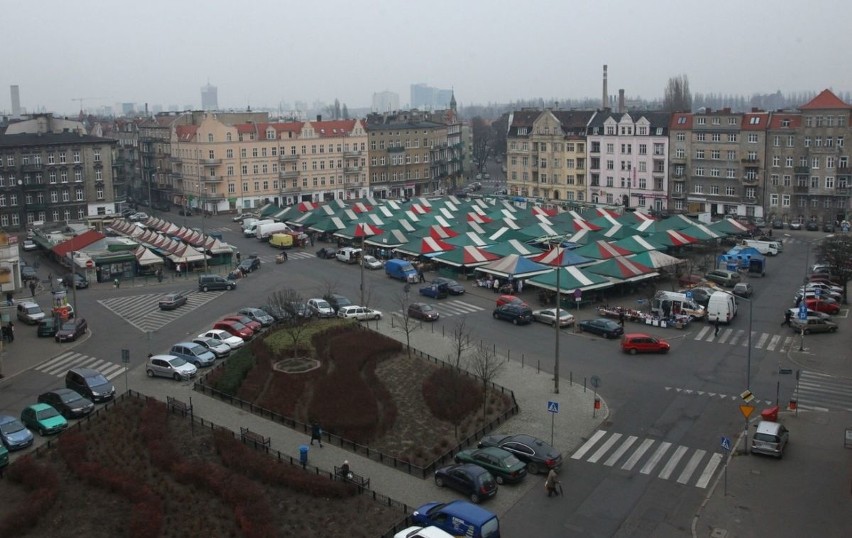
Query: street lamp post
x,y
748,353
556,325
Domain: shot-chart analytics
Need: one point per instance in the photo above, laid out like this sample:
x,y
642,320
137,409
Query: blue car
x,y
14,434
435,291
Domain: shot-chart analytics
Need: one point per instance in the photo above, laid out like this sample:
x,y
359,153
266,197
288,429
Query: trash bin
x,y
770,414
597,403
303,454
793,404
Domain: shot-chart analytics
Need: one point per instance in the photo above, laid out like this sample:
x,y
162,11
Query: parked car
x,y
69,403
824,286
794,313
320,308
221,335
468,479
337,301
257,314
828,227
813,325
423,311
44,419
29,313
777,224
71,330
90,383
452,286
510,299
29,245
172,300
502,464
770,438
601,326
813,293
235,328
138,217
538,455
47,327
743,289
435,291
193,353
516,313
170,366
242,216
245,320
812,226
327,253
548,316
370,262
249,265
28,272
216,347
361,313
795,225
634,343
13,434
422,532
185,212
215,282
724,278
822,306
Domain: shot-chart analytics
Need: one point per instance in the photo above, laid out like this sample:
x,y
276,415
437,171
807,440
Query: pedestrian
x,y
345,472
420,275
117,283
551,483
32,288
9,299
311,237
798,300
316,433
716,327
4,332
11,329
159,275
787,317
495,285
520,286
238,260
621,318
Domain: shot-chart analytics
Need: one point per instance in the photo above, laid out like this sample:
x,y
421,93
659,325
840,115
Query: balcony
x,y
843,191
32,167
750,162
287,158
352,153
681,177
800,189
802,169
679,195
211,162
750,180
843,171
658,172
680,160
352,169
213,179
288,174
290,188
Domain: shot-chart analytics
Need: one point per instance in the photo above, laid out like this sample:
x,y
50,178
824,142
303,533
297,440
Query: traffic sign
x,y
746,410
552,407
747,396
817,292
726,443
688,294
596,381
578,294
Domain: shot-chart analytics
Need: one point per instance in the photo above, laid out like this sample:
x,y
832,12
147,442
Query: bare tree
x,y
482,143
836,252
291,307
407,323
328,288
677,97
485,365
461,339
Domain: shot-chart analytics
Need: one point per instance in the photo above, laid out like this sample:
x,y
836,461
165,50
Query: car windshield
x,y
426,308
47,412
11,427
323,304
70,326
177,362
237,325
70,397
98,380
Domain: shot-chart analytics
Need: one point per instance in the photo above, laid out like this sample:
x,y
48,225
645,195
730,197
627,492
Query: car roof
x,y
766,426
40,406
494,451
163,357
85,372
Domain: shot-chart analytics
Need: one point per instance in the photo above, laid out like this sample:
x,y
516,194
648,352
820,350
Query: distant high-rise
x,y
426,97
385,101
209,97
16,101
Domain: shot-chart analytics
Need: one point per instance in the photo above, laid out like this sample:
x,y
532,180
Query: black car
x,y
777,224
71,330
185,211
337,301
249,264
452,286
68,402
538,455
423,311
469,479
516,313
828,227
812,226
172,301
90,383
28,273
602,326
47,327
327,253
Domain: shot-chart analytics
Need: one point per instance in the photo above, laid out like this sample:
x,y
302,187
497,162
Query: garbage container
x,y
303,454
770,414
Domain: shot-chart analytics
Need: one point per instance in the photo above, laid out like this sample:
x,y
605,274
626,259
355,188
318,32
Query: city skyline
x,y
90,57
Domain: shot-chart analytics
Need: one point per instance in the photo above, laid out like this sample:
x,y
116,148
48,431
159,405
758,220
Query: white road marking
x,y
672,463
621,450
604,448
637,454
655,459
709,469
691,466
588,445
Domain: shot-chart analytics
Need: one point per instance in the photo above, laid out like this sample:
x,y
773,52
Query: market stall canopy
x,y
515,266
675,222
187,254
389,239
542,230
513,247
424,246
441,232
601,250
328,225
701,232
468,239
622,269
673,238
560,257
467,256
655,259
729,226
637,243
145,257
570,279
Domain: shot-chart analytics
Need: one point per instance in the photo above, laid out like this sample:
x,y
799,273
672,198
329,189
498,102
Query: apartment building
x,y
546,154
717,159
628,159
51,171
220,165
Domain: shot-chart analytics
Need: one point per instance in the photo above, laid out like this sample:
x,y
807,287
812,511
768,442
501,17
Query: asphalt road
x,y
677,405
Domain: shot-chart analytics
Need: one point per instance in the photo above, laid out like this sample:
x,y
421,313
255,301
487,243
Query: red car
x,y
643,343
234,328
255,326
511,299
823,306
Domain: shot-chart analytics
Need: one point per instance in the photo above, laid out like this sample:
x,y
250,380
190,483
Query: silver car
x,y
548,316
217,347
233,342
170,366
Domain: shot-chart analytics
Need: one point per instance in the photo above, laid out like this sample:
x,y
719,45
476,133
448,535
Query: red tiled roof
x,y
186,133
681,121
824,101
755,121
778,118
333,128
77,242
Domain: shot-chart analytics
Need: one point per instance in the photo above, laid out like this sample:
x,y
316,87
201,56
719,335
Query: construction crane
x,y
81,99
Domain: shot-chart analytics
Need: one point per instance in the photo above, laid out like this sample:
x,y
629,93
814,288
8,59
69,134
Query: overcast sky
x,y
264,52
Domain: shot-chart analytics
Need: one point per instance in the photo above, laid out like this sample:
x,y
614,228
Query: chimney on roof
x,y
604,95
319,117
621,101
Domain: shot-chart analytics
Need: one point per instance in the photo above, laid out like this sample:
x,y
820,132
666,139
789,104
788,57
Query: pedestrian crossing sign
x,y
726,443
552,407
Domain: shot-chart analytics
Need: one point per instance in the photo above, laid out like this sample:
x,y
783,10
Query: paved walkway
x,y
532,389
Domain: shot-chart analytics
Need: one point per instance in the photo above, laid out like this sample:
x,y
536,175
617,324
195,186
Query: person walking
x,y
316,433
11,329
787,317
520,286
117,283
621,318
551,483
420,274
10,300
495,285
716,327
32,288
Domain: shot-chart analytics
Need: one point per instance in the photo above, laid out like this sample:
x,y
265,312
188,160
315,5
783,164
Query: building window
x,y
66,196
776,161
245,186
700,137
715,154
773,200
829,182
698,188
77,157
78,193
730,191
99,175
714,190
62,157
96,155
63,176
54,197
78,176
788,162
99,192
732,137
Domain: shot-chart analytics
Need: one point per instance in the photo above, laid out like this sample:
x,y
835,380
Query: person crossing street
x,y
787,317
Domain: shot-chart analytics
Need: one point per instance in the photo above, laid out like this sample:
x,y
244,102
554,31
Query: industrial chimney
x,y
621,101
604,97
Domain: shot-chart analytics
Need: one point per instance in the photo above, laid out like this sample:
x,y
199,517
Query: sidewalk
x,y
532,391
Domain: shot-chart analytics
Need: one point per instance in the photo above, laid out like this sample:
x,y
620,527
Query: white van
x,y
767,248
669,302
349,255
250,229
263,231
722,306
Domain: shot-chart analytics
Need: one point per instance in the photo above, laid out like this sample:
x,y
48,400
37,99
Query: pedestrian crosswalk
x,y
454,307
820,392
651,457
739,337
60,364
143,311
291,255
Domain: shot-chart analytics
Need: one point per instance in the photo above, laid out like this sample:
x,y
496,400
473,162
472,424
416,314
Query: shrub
x,y
451,396
234,371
